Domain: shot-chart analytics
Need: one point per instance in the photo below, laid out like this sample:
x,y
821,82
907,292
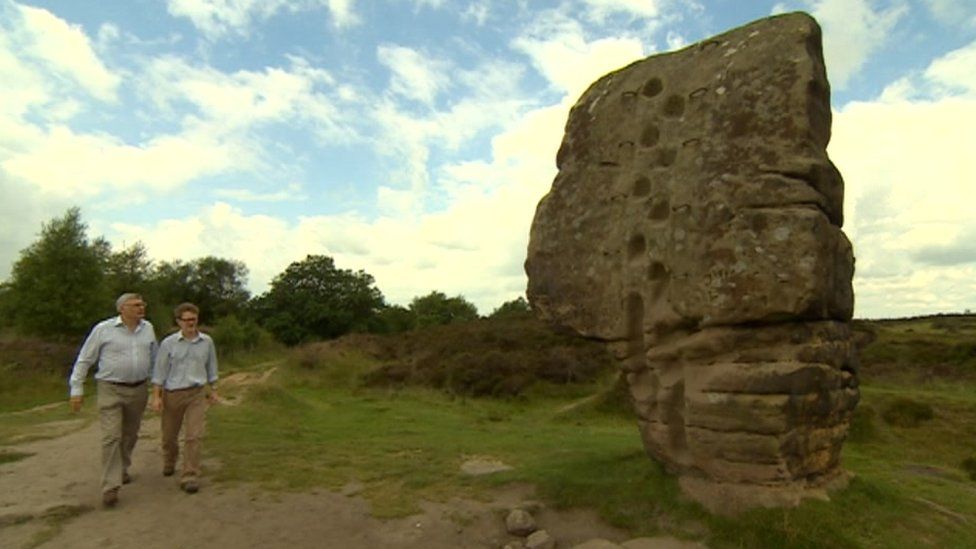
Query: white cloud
x,y
488,99
414,75
107,34
290,192
63,49
232,104
953,12
27,88
218,135
560,51
342,13
405,141
919,291
852,32
61,162
450,252
21,213
218,18
955,72
675,41
928,170
474,246
215,18
477,12
908,167
263,243
600,10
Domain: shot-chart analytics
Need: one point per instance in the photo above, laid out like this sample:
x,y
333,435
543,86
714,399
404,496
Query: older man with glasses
x,y
186,364
124,347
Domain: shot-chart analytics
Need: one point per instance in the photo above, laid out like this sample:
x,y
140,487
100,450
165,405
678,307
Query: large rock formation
x,y
695,225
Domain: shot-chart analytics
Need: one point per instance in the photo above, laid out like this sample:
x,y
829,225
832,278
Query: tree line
x,y
65,281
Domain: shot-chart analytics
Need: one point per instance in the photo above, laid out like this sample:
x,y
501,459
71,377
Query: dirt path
x,y
52,499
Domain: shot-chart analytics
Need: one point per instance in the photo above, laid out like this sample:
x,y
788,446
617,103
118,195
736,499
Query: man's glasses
x,y
187,319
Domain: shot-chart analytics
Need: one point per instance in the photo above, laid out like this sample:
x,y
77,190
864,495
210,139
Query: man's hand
x,y
156,404
75,403
212,398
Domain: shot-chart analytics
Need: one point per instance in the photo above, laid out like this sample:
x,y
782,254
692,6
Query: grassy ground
x,y
315,424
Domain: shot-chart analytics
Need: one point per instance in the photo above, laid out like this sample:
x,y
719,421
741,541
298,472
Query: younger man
x,y
187,361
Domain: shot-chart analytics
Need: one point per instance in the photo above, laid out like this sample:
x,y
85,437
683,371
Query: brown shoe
x,y
168,470
110,497
189,486
126,478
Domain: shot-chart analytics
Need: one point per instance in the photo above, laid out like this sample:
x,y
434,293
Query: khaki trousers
x,y
120,410
185,408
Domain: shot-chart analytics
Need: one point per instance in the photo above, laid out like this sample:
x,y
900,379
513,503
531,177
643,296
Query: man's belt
x,y
127,383
183,389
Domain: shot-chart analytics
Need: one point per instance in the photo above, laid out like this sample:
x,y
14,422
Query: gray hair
x,y
123,298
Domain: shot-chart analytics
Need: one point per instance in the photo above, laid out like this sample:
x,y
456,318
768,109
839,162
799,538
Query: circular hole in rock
x,y
652,87
650,136
674,106
636,246
642,187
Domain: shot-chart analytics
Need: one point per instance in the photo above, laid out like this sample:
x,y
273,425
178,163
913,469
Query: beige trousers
x,y
120,410
186,408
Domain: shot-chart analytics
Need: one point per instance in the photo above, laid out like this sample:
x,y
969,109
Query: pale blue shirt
x,y
183,363
122,355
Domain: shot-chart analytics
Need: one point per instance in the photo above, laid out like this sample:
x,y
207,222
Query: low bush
x,y
863,427
905,412
969,465
33,371
487,357
232,336
923,349
27,355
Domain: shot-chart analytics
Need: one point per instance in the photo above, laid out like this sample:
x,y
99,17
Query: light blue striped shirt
x,y
122,355
184,363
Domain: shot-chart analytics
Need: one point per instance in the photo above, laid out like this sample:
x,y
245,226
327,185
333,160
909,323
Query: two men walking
x,y
125,349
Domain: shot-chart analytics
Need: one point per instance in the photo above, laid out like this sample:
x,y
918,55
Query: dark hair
x,y
184,307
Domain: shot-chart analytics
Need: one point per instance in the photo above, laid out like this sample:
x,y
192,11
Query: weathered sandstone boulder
x,y
694,224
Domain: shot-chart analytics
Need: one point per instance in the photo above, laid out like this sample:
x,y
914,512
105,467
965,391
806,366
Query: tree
x,y
216,285
169,285
436,308
516,308
219,286
393,319
57,286
128,270
313,299
233,336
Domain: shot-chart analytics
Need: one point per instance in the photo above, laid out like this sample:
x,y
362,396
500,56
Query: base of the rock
x,y
724,498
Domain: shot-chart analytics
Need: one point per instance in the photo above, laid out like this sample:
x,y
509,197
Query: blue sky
x,y
413,138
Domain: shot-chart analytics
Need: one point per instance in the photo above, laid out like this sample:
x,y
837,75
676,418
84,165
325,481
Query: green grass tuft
x,y
10,457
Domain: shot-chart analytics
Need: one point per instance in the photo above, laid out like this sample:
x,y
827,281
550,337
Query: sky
x,y
413,139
